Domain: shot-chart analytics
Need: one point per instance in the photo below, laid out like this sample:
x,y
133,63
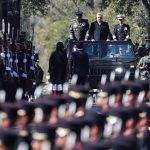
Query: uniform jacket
x,y
80,63
144,60
121,31
144,73
78,29
99,32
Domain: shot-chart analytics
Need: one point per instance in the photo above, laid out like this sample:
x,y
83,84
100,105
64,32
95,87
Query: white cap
x,y
120,16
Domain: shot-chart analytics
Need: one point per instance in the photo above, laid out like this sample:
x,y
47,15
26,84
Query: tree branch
x,y
146,4
58,9
76,3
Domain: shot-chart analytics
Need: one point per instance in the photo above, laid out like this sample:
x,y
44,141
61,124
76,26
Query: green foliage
x,y
54,17
35,6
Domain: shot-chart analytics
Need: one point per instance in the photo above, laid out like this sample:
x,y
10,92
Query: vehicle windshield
x,y
109,50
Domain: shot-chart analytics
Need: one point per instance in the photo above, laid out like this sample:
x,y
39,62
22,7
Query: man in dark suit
x,y
79,27
121,30
99,29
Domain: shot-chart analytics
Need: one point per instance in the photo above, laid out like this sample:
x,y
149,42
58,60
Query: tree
x,y
54,17
34,7
146,4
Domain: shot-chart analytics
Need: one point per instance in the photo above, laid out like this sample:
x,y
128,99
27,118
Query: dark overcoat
x,y
58,67
99,31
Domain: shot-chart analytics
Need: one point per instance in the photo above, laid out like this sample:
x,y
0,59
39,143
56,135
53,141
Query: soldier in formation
x,y
79,64
119,119
19,66
144,66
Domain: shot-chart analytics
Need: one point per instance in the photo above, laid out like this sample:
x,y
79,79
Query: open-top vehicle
x,y
107,56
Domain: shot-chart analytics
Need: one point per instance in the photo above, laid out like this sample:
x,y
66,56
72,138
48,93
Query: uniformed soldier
x,y
80,64
96,122
42,136
121,30
144,66
8,139
79,27
8,115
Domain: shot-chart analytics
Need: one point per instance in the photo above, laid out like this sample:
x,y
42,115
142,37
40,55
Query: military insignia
x,y
125,28
75,25
82,24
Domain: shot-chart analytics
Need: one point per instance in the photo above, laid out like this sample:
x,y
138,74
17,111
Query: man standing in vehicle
x,y
121,30
79,27
99,29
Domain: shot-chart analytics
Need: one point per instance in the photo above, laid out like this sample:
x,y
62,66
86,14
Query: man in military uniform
x,y
121,30
144,66
79,27
80,64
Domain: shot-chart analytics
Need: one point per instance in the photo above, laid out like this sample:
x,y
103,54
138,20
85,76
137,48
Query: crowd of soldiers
x,y
18,66
116,116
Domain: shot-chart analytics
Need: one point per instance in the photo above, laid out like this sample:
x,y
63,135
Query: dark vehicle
x,y
107,56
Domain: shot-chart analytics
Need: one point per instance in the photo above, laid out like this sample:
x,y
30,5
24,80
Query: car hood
x,y
112,61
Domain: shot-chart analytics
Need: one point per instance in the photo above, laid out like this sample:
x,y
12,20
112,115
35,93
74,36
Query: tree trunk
x,y
146,4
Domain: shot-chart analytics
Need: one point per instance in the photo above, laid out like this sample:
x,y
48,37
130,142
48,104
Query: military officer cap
x,y
8,111
41,132
131,113
78,92
120,16
130,140
44,108
122,143
101,145
63,128
114,114
120,88
144,111
21,40
73,125
145,85
132,87
106,90
94,118
25,108
122,113
78,13
56,101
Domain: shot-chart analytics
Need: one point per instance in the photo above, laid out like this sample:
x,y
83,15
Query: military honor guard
x,y
121,30
79,27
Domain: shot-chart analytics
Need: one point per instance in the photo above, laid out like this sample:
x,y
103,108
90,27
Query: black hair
x,y
59,46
